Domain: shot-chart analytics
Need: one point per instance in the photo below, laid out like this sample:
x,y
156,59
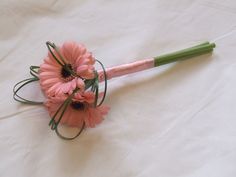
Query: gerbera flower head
x,y
74,64
80,110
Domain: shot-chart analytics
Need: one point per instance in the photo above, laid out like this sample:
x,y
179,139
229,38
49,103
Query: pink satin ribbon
x,y
124,69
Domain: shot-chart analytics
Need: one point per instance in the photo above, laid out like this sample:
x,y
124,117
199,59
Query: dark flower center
x,y
64,71
77,105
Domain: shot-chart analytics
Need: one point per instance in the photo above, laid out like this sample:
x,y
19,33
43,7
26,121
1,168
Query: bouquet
x,y
70,83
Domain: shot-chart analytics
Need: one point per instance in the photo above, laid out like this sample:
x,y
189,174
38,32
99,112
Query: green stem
x,y
188,53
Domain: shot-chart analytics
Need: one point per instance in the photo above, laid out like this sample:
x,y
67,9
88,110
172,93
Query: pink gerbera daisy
x,y
80,110
78,66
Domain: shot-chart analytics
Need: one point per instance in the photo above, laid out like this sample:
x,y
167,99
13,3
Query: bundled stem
x,y
184,54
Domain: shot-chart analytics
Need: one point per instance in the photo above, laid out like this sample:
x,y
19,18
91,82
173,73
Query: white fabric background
x,y
176,120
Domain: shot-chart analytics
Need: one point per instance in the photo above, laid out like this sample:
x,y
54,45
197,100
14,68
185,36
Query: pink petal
x,y
48,73
89,96
71,51
103,109
48,67
88,75
53,88
50,81
76,120
80,84
82,69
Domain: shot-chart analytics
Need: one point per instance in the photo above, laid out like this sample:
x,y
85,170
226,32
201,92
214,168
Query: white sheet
x,y
176,120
